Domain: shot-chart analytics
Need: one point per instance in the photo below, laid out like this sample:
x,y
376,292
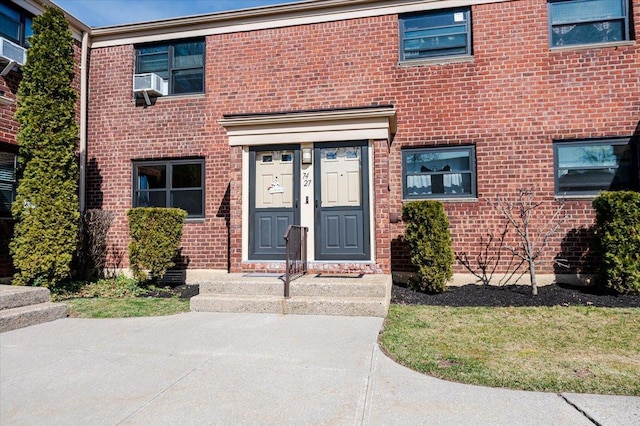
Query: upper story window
x,y
589,166
170,183
439,173
15,25
576,22
435,34
7,182
180,63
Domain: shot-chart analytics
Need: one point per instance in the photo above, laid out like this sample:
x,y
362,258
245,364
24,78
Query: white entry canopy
x,y
309,126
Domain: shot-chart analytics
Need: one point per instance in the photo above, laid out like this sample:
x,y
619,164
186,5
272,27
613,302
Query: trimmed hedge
x,y
155,240
617,240
429,238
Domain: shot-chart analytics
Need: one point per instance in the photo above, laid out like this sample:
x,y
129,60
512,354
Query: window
x,y
171,183
180,63
7,182
439,173
435,34
575,22
588,167
15,25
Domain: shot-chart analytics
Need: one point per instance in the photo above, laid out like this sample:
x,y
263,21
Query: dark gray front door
x,y
342,201
273,199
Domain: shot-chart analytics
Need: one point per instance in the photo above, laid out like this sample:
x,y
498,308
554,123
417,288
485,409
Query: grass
x,y
555,349
101,307
118,297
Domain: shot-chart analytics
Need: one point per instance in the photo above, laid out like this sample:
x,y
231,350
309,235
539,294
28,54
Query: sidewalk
x,y
208,368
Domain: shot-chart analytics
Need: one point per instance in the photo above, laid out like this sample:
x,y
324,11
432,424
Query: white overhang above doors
x,y
311,126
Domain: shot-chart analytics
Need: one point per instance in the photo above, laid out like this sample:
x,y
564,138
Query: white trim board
x,y
287,15
354,124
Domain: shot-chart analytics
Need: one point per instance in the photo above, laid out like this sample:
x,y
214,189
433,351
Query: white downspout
x,y
83,122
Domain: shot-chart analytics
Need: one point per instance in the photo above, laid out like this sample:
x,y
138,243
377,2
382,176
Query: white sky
x,y
100,13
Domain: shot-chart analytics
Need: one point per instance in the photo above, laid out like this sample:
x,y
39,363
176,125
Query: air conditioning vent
x,y
149,83
11,54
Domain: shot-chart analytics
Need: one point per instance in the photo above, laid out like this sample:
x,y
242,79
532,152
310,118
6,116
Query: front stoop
x,y
25,306
368,295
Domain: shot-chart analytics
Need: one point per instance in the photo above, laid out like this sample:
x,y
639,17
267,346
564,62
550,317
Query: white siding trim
x,y
264,18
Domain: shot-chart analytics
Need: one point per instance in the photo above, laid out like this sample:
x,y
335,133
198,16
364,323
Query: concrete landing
x,y
24,306
313,294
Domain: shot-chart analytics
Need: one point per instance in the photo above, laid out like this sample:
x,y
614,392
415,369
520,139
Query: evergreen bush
x,y
427,233
155,240
46,204
618,240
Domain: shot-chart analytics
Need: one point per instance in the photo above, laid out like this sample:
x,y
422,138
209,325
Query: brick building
x,y
332,113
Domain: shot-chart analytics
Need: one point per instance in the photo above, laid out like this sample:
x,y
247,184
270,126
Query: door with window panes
x,y
342,201
273,199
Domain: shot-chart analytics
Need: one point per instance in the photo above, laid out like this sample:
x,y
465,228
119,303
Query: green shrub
x,y
155,239
46,204
429,238
618,240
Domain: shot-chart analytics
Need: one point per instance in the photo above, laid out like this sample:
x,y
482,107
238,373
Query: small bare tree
x,y
532,235
489,258
92,250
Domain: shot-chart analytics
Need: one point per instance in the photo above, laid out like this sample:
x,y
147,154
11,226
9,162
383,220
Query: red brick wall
x,y
511,101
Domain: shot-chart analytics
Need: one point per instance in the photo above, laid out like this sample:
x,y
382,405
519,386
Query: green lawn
x,y
555,349
117,297
100,307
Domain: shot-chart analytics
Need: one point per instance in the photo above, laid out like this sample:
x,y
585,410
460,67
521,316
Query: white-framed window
x,y
579,22
170,183
435,34
8,182
586,167
439,172
180,63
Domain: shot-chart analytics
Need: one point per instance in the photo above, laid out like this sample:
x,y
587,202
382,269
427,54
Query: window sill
x,y
178,97
443,200
436,61
576,197
592,46
168,98
4,101
190,220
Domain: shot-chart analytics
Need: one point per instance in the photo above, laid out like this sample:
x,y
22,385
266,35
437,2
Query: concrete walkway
x,y
227,369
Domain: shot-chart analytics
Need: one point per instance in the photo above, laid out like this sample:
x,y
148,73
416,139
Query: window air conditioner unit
x,y
149,84
11,54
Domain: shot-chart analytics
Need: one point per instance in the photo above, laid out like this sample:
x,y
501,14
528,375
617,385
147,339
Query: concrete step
x,y
272,287
312,295
353,306
13,296
24,316
319,287
237,303
350,306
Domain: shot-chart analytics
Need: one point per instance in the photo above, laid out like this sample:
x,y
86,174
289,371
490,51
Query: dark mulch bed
x,y
183,291
515,295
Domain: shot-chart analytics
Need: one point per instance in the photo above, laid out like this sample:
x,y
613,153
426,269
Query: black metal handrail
x,y
296,254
